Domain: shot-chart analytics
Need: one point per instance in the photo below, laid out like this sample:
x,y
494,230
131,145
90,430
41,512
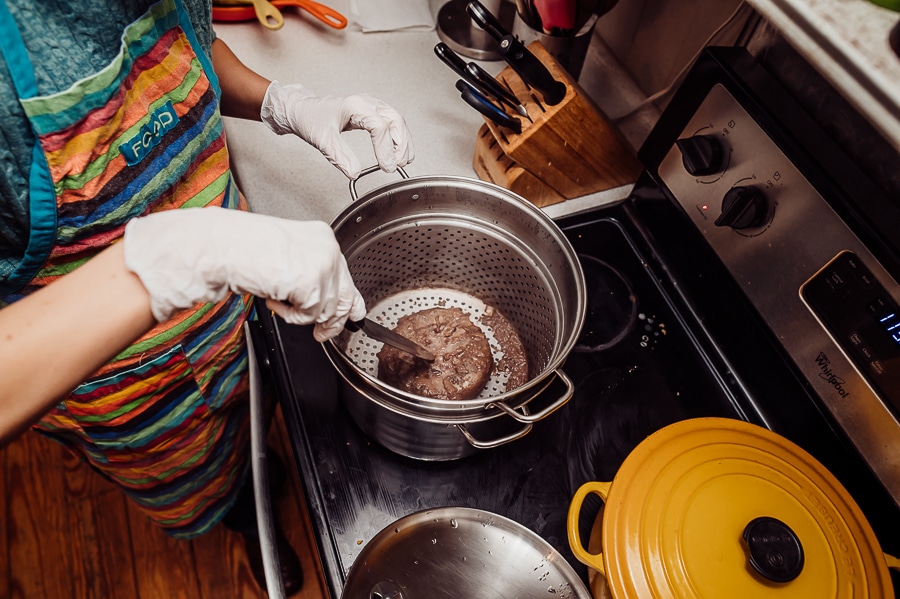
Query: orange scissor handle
x,y
242,10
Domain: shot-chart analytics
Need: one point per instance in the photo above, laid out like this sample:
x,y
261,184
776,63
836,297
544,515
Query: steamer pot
x,y
714,507
457,242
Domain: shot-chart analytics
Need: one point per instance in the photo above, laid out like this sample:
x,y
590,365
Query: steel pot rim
x,y
438,533
449,411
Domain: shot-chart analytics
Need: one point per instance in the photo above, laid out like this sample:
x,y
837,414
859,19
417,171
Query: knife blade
x,y
485,80
520,58
392,338
487,108
482,84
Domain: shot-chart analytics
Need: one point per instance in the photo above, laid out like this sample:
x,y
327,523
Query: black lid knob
x,y
701,154
743,208
775,551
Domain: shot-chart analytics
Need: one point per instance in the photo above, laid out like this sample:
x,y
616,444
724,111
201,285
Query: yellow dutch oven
x,y
714,508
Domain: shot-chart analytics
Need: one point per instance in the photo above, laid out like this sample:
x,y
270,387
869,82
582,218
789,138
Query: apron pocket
x,y
143,408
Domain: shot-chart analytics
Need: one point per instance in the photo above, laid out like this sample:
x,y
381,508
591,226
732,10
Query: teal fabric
x,y
67,40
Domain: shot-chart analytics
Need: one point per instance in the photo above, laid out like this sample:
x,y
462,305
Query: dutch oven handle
x,y
367,171
530,418
265,521
892,562
594,560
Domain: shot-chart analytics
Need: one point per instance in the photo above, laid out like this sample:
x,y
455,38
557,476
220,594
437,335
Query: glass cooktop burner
x,y
611,306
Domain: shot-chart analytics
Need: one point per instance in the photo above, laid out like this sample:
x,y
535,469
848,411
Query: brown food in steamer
x,y
463,359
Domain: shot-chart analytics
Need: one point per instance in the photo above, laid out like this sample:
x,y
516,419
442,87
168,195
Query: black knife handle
x,y
458,65
484,19
485,80
487,108
451,59
532,71
352,326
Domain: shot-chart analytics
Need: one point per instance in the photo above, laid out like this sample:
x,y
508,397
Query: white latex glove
x,y
192,255
320,121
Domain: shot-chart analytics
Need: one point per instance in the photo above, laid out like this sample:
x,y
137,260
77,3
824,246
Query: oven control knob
x,y
701,154
743,208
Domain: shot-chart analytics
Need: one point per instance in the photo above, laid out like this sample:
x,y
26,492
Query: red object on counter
x,y
556,16
326,14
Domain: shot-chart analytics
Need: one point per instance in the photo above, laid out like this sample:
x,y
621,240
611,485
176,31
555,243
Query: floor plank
x,y
66,532
294,517
37,534
98,522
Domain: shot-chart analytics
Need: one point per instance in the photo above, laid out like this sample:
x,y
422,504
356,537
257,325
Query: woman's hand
x,y
320,121
194,255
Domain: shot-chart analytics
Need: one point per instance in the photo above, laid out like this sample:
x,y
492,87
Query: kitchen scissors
x,y
246,10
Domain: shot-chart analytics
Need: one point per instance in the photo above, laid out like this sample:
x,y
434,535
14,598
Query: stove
x,y
728,284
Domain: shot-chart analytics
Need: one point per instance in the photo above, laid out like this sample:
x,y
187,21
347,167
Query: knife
x,y
487,108
484,79
386,335
523,62
485,85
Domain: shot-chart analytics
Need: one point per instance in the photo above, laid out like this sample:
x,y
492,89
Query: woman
x,y
111,110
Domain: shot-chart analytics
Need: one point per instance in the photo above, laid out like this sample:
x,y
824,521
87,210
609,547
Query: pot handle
x,y
529,418
496,442
368,171
594,560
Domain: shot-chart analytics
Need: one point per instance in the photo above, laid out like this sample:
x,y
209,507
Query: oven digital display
x,y
863,317
887,314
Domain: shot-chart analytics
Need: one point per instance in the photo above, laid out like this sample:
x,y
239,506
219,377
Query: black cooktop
x,y
636,369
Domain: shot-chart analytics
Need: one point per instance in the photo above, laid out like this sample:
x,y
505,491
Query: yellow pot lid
x,y
678,511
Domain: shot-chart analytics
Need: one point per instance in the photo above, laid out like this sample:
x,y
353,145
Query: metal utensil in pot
x,y
386,335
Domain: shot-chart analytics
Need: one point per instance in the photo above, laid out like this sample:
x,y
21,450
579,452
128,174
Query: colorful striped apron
x,y
165,419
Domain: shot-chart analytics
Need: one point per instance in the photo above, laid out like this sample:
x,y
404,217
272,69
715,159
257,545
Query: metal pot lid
x,y
460,552
714,507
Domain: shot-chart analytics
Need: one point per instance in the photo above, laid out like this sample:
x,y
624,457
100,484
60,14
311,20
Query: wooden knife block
x,y
570,150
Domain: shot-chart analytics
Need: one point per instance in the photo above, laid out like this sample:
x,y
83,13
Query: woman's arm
x,y
53,339
243,89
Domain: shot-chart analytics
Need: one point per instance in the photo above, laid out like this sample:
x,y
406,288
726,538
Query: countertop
x,y
847,42
283,176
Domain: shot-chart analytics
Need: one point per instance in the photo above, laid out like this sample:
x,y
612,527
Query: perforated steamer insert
x,y
454,242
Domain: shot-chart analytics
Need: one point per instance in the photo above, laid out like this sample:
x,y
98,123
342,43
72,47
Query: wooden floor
x,y
67,533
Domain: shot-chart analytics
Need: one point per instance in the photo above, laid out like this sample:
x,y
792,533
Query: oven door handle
x,y
555,405
265,520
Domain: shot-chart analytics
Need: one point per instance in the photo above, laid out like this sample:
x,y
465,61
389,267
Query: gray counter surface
x,y
283,176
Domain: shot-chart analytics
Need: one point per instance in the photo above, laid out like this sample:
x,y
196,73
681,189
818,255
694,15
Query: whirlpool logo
x,y
826,373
